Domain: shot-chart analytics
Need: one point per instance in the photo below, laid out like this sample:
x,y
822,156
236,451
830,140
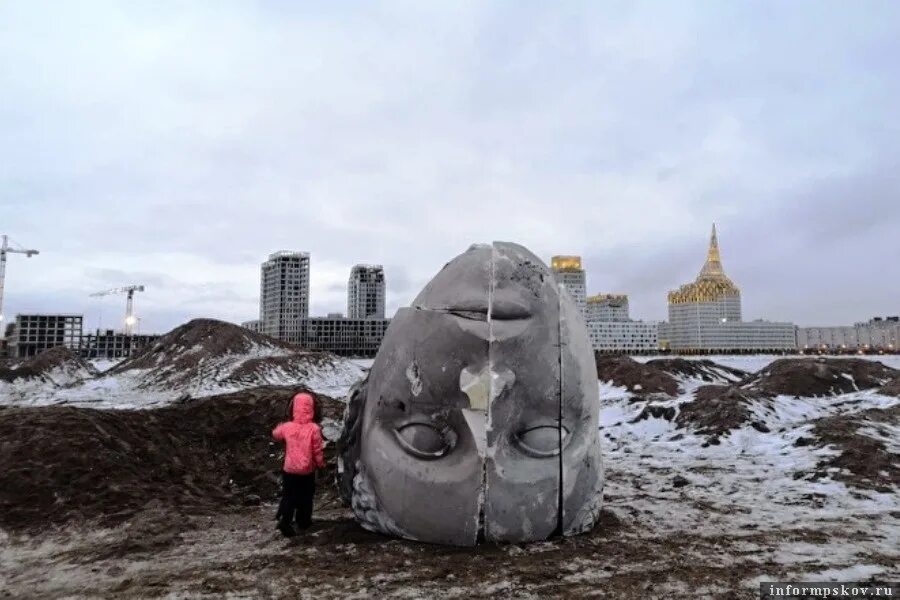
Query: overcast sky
x,y
177,144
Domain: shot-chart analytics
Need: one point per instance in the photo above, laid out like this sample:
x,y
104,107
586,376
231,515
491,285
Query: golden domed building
x,y
712,293
705,315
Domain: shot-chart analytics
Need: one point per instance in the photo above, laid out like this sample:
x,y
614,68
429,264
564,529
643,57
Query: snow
x,y
755,488
852,573
104,364
753,363
751,483
164,384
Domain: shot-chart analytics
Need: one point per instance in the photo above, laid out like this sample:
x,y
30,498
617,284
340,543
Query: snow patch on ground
x,y
753,363
751,483
149,388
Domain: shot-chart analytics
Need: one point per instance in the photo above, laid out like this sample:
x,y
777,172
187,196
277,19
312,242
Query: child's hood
x,y
303,408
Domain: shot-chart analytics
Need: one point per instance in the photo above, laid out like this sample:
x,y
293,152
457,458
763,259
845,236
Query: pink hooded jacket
x,y
302,438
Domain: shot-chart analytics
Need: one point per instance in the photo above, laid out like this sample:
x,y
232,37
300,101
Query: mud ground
x,y
238,554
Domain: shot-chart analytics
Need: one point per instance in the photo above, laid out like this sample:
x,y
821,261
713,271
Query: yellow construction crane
x,y
5,249
130,319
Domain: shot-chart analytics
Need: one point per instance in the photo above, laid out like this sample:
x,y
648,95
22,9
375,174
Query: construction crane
x,y
5,249
130,319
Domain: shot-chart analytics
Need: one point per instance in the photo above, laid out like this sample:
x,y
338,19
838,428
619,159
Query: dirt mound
x,y
891,388
864,461
704,370
637,377
199,340
205,356
59,365
276,368
717,409
10,375
806,377
655,411
199,457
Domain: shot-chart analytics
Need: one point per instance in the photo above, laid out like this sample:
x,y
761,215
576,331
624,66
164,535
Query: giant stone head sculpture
x,y
479,418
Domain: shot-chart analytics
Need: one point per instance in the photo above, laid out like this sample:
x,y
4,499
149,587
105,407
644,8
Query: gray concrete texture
x,y
479,417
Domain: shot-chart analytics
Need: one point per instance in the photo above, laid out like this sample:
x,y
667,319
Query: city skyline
x,y
712,253
177,146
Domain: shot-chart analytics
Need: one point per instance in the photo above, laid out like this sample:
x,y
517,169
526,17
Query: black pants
x,y
297,493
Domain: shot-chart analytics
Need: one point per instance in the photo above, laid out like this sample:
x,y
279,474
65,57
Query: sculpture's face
x,y
461,434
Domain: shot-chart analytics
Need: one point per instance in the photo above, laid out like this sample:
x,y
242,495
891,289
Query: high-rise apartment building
x,y
284,293
705,316
366,292
570,274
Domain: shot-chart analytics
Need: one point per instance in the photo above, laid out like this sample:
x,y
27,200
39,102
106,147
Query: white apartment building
x,y
878,334
611,329
632,337
569,272
284,293
607,307
253,325
366,292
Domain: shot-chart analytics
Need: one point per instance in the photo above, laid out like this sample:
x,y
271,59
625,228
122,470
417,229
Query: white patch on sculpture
x,y
477,386
415,380
484,386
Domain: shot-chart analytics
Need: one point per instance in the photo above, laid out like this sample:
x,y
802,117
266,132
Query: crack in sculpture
x,y
478,421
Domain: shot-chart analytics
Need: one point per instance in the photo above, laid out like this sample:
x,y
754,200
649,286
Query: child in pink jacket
x,y
302,456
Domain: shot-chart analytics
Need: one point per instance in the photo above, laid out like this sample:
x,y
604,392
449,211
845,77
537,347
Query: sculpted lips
x,y
502,310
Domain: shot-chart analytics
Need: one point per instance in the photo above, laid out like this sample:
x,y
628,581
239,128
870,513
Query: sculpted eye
x,y
424,440
542,441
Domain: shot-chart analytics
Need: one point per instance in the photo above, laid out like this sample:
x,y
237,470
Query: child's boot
x,y
286,528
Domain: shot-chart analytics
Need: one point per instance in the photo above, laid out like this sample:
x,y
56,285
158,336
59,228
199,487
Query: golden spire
x,y
713,265
712,284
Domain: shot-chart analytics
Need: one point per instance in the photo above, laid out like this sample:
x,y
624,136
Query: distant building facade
x,y
30,335
366,292
255,325
876,335
112,344
705,316
284,293
607,307
631,337
569,272
611,329
342,336
284,308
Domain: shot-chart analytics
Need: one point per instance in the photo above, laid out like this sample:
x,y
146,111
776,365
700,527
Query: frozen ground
x,y
754,362
150,388
683,519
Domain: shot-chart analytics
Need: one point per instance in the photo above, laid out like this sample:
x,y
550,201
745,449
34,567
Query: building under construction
x,y
30,335
112,344
342,336
366,292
